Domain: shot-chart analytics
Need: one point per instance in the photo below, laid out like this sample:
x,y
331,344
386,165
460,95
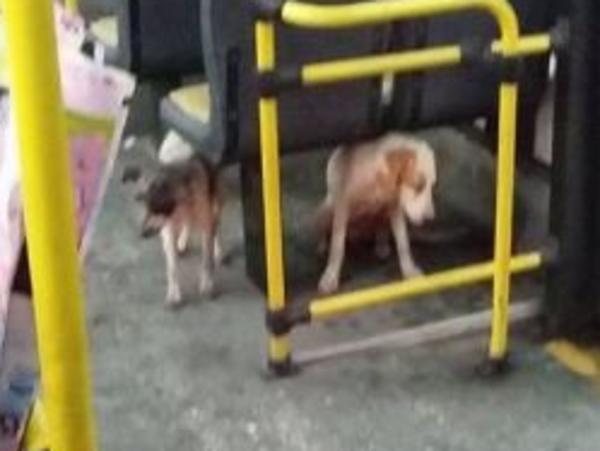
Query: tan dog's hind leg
x,y
322,225
331,276
169,246
382,244
407,265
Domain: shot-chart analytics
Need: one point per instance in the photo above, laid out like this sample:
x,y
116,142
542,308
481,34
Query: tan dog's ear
x,y
403,164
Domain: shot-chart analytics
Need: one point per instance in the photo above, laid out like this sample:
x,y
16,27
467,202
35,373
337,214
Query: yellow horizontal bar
x,y
408,61
368,13
369,66
454,278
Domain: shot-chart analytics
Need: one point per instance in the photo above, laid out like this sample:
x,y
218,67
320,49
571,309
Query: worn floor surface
x,y
193,379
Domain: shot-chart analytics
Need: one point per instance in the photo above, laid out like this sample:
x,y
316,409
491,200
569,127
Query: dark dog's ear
x,y
131,174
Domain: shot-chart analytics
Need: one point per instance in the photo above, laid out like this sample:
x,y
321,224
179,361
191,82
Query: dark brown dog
x,y
181,198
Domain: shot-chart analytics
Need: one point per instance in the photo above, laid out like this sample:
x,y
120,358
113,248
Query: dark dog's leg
x,y
207,226
169,246
217,249
183,238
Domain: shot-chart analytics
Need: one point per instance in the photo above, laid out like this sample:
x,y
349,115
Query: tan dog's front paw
x,y
206,287
182,243
173,297
329,283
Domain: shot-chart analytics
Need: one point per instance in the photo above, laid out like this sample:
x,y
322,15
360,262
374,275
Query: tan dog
x,y
180,198
389,179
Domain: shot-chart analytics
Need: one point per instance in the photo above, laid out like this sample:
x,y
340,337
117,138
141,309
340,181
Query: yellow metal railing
x,y
269,138
308,15
50,225
394,292
407,61
510,45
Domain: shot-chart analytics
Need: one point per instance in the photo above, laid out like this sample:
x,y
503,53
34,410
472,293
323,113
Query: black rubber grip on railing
x,y
475,51
478,52
560,34
267,9
281,322
271,83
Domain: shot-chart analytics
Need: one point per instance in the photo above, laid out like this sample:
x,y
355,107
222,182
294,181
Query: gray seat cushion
x,y
187,111
105,31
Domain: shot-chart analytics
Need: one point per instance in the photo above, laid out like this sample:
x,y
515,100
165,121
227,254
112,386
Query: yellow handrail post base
x,y
49,212
494,367
279,362
280,324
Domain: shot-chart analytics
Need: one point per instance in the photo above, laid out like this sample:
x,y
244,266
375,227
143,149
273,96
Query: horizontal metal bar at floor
x,y
358,300
409,61
415,336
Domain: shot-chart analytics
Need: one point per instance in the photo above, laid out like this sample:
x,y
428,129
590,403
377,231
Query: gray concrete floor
x,y
193,379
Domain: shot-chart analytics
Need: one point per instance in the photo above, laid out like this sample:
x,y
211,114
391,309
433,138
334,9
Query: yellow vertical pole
x,y
50,225
505,182
504,218
279,346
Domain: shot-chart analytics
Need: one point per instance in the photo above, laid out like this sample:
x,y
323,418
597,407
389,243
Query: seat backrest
x,y
317,117
159,38
218,30
308,118
461,93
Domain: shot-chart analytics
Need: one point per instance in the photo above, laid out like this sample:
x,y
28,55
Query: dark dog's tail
x,y
322,219
214,171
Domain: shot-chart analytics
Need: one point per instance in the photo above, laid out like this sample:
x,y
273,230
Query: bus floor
x,y
193,379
